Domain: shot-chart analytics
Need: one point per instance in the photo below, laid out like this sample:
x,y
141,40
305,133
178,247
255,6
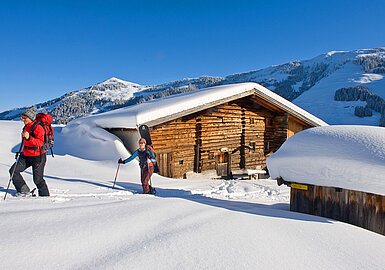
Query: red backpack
x,y
45,121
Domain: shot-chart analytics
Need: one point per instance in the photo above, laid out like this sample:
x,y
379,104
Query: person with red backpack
x,y
33,154
147,159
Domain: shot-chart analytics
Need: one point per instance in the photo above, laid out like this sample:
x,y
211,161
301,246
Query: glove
x,y
121,161
18,154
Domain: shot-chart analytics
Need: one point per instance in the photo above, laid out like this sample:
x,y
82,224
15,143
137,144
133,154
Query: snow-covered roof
x,y
166,109
350,157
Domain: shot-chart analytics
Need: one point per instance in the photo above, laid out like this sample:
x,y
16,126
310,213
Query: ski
x,y
29,194
32,192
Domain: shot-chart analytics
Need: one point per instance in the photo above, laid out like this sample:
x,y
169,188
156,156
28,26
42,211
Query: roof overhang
x,y
297,112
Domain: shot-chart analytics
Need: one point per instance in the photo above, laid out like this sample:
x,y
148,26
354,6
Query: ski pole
x,y
14,168
116,176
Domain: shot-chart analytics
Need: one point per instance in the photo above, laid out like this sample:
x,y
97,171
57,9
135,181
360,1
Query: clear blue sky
x,y
48,48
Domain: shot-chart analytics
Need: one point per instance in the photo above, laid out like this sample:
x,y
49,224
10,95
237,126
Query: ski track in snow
x,y
247,189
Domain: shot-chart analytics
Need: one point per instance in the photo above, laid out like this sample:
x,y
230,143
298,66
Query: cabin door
x,y
197,159
223,164
164,163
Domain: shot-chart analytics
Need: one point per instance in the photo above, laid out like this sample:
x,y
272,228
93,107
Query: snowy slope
x,y
319,100
311,84
113,89
189,224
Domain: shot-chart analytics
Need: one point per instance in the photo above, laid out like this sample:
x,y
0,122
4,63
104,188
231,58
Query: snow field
x,y
189,224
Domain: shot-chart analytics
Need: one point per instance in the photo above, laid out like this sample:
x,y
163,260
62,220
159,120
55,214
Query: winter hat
x,y
30,113
142,140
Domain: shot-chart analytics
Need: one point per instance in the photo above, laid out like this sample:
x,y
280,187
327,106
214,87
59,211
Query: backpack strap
x,y
32,130
152,152
35,148
34,125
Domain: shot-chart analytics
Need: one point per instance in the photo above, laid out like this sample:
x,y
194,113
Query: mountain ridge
x,y
290,80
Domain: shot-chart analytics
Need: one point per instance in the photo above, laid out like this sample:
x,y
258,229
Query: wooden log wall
x,y
197,141
276,134
174,143
235,124
359,208
295,126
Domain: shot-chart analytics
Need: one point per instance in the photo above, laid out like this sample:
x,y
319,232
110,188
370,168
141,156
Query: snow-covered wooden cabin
x,y
335,172
222,128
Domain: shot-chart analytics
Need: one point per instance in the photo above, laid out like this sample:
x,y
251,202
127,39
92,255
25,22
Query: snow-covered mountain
x,y
83,102
311,84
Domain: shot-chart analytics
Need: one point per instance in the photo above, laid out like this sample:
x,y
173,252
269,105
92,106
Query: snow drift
x,y
88,141
350,157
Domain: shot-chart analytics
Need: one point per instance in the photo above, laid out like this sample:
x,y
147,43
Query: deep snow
x,y
189,224
350,157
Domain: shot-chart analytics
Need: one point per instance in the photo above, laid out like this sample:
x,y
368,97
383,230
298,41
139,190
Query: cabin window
x,y
181,162
252,121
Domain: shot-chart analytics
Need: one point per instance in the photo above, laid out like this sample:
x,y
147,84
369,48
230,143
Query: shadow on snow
x,y
278,210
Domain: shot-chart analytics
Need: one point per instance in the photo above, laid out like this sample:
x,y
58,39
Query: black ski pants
x,y
38,164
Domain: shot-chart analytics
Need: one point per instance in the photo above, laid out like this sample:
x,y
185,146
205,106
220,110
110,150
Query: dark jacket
x,y
146,157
